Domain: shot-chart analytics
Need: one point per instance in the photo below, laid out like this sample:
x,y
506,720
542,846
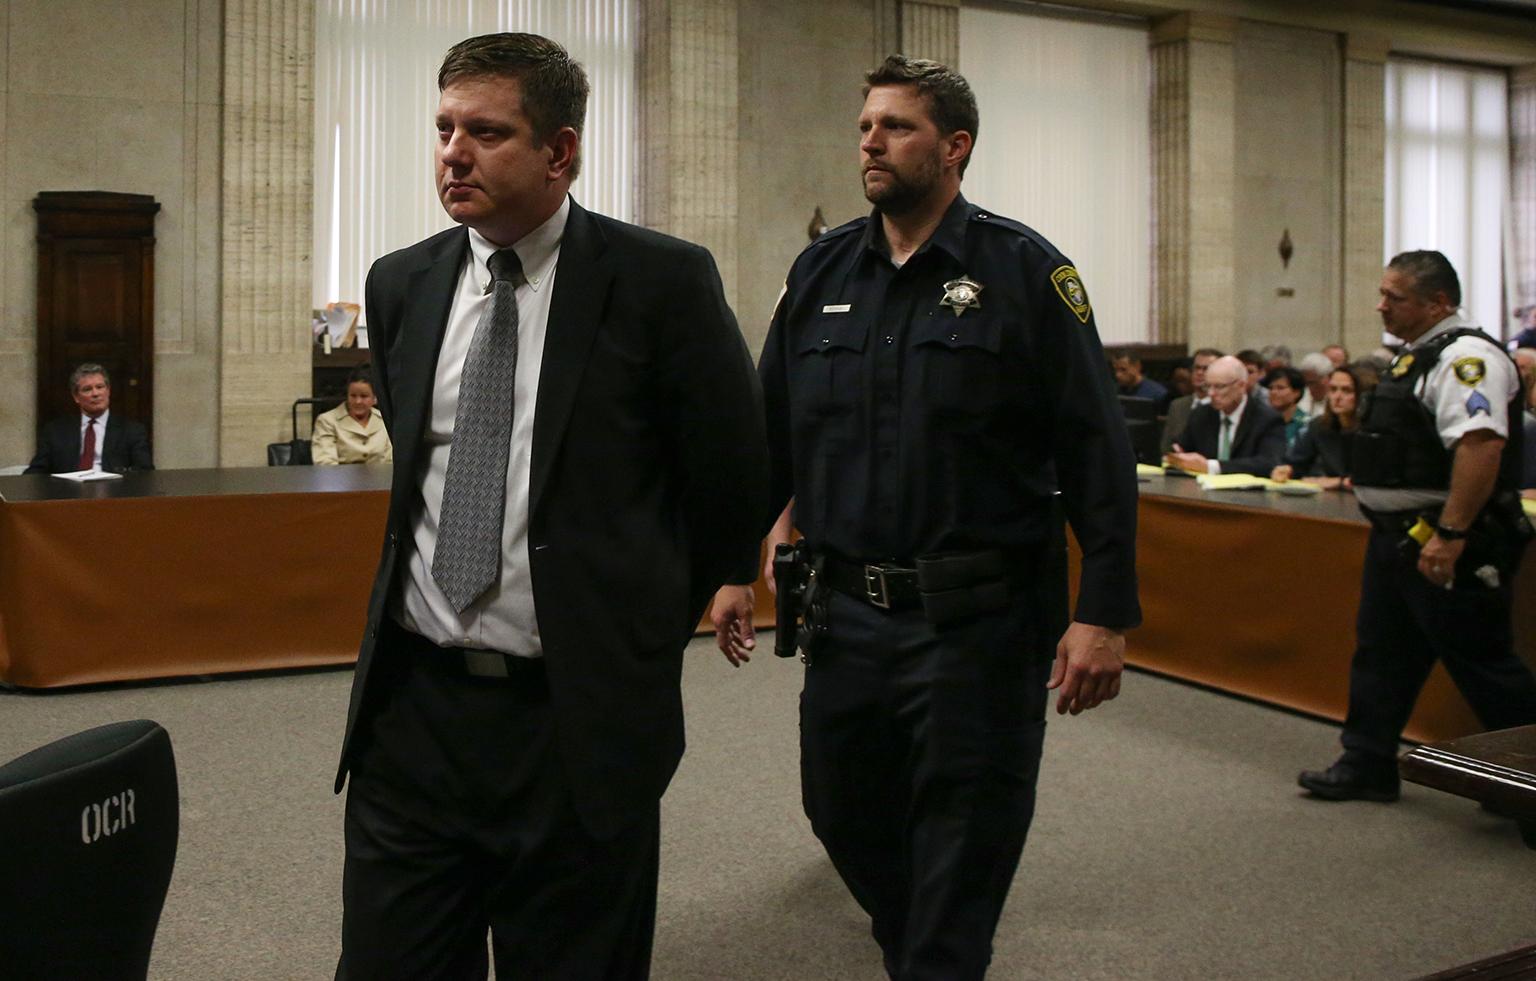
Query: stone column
x,y
1364,145
267,199
931,29
1522,180
689,99
1193,167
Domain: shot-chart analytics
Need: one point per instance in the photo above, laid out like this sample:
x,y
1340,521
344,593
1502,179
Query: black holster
x,y
800,617
957,585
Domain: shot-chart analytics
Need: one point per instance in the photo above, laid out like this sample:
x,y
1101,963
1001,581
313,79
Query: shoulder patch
x,y
1069,286
1469,371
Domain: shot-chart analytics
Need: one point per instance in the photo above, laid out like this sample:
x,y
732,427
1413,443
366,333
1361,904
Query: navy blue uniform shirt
x,y
903,429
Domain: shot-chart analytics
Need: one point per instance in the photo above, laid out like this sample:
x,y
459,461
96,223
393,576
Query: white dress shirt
x,y
503,619
101,434
1213,465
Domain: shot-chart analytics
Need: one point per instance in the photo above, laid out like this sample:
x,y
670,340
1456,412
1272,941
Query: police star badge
x,y
1401,365
1069,286
962,294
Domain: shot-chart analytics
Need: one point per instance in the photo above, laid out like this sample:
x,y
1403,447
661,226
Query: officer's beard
x,y
902,194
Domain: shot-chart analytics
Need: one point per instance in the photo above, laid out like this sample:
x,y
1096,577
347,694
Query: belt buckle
x,y
875,590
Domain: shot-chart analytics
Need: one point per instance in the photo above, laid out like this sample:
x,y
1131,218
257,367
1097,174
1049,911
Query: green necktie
x,y
1224,448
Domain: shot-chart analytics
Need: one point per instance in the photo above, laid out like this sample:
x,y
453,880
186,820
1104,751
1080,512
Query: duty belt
x,y
884,585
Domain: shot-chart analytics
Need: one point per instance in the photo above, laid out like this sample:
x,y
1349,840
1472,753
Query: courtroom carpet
x,y
1170,842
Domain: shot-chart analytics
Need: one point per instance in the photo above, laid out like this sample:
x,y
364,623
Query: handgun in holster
x,y
800,614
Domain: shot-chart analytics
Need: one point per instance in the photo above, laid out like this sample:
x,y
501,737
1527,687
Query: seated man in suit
x,y
1180,408
95,439
1234,433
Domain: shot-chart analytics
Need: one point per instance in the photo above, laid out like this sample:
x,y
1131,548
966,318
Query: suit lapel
x,y
582,280
428,291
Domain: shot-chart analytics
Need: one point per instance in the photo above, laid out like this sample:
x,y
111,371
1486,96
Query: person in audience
x,y
581,460
1337,354
1285,390
353,432
1180,408
1180,380
1275,356
1253,361
1525,360
1525,318
1434,465
1321,455
1128,376
1315,369
95,438
1235,433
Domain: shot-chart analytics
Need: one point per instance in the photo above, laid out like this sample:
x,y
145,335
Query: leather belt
x,y
884,585
468,661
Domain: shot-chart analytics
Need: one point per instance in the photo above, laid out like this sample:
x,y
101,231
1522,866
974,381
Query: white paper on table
x,y
337,319
85,476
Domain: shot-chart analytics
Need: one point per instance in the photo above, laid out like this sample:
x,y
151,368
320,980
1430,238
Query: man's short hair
x,y
1431,273
1276,352
554,84
1207,351
1249,356
1317,363
951,103
1291,375
362,373
1130,356
88,368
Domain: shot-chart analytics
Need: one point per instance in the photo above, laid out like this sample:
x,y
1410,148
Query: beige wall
x,y
120,96
1286,163
799,142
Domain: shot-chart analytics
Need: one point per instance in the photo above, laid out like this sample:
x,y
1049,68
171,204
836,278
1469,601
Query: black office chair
x,y
88,828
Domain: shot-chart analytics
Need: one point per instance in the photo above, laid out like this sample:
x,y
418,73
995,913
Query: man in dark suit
x,y
95,439
1234,433
1180,408
579,462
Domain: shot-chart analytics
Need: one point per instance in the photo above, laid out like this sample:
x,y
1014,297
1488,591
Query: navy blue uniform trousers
x,y
1404,625
919,752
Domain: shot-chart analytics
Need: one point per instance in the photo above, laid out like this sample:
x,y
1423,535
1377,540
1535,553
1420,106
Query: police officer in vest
x,y
932,378
1436,468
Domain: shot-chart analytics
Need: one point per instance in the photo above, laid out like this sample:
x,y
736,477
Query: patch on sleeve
x,y
1469,371
1069,286
1478,402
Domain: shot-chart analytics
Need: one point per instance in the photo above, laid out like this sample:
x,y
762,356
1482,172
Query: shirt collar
x,y
1449,323
101,419
1236,415
949,236
537,251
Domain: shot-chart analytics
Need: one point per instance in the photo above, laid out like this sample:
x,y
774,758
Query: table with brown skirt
x,y
185,572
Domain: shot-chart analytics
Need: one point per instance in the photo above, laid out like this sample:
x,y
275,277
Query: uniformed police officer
x,y
933,377
1435,466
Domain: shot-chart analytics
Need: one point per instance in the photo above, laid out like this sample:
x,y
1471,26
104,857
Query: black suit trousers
x,y
919,753
1405,624
459,822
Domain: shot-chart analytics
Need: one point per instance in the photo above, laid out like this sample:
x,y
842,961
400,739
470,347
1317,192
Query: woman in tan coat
x,y
353,432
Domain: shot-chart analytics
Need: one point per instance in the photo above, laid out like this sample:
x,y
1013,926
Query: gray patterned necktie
x,y
467,560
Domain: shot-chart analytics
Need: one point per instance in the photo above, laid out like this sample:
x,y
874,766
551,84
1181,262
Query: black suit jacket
x,y
1258,446
648,481
125,446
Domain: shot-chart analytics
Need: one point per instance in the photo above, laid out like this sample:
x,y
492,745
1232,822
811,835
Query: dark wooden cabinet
x,y
96,297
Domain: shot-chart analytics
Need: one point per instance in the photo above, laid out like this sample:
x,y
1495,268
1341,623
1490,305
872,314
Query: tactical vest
x,y
1398,443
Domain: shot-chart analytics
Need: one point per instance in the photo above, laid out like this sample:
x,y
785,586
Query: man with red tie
x,y
94,439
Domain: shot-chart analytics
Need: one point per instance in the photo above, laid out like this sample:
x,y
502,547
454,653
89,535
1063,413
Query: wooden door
x,y
95,297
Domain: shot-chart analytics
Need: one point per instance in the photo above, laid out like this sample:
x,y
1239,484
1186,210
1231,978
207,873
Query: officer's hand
x,y
1089,660
732,617
1437,560
1281,474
